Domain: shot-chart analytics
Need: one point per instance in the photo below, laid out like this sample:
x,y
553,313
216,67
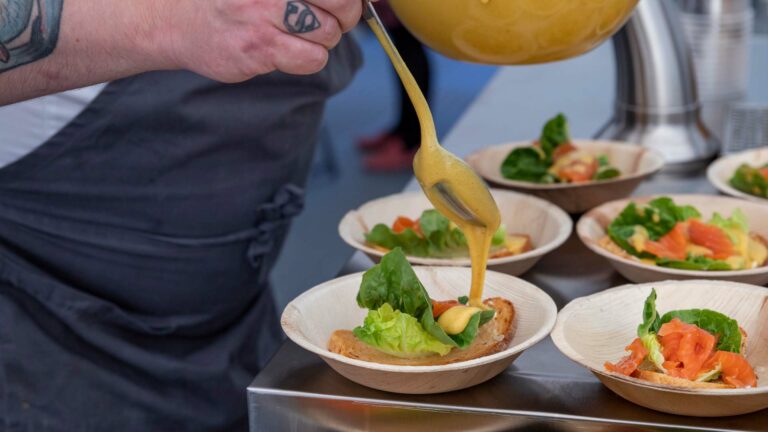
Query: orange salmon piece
x,y
712,238
628,365
736,370
694,347
671,245
562,150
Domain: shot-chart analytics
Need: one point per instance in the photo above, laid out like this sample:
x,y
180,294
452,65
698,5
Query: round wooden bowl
x,y
591,228
547,225
310,319
720,171
595,329
636,163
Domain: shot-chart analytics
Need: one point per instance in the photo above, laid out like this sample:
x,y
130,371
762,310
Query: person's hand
x,y
234,40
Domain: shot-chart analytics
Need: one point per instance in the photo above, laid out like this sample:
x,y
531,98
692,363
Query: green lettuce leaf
x,y
394,282
647,333
725,329
736,223
710,375
465,338
527,164
658,218
749,180
694,263
440,240
553,134
408,240
398,334
606,172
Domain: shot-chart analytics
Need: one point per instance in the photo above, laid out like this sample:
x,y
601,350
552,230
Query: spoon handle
x,y
428,133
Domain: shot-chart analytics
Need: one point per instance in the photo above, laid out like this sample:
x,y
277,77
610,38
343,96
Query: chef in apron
x,y
135,248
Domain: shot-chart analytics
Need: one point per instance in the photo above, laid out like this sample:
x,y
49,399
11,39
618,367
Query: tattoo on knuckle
x,y
299,17
27,33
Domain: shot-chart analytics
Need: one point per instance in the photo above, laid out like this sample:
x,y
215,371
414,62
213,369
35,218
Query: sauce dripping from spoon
x,y
449,183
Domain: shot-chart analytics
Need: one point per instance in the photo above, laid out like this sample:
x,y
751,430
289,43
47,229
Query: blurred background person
x,y
393,149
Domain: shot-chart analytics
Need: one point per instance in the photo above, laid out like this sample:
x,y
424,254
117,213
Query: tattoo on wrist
x,y
29,31
299,17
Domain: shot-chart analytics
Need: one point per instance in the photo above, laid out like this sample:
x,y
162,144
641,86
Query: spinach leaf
x,y
750,180
725,329
606,172
526,164
437,230
694,263
465,338
658,218
439,238
408,240
650,315
554,133
394,282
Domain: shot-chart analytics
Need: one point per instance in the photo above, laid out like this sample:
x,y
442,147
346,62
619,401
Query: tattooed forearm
x,y
29,30
298,18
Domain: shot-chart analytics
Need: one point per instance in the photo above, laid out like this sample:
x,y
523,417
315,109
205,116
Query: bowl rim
x,y
705,274
535,292
641,174
565,348
722,184
562,218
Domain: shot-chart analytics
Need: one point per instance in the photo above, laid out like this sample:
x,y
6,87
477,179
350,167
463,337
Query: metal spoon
x,y
449,183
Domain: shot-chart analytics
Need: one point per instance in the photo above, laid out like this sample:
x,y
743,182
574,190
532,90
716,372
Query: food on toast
x,y
665,234
553,158
751,180
405,327
433,235
694,348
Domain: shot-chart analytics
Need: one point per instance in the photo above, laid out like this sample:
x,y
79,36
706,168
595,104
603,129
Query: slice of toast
x,y
660,378
492,337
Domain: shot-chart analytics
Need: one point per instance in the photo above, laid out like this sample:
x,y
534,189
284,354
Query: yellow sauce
x,y
513,31
455,320
433,165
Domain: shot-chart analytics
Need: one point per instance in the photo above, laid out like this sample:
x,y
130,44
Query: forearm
x,y
90,41
74,43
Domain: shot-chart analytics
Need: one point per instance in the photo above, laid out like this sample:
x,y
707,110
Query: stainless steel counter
x,y
542,390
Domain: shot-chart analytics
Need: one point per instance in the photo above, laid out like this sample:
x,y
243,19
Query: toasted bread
x,y
660,378
492,337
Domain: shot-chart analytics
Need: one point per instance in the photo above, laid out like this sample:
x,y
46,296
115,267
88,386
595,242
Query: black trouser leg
x,y
415,56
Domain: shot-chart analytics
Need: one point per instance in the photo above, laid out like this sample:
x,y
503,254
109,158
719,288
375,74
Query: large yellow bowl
x,y
512,32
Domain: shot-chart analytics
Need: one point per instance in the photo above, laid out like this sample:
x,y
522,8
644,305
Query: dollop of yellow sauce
x,y
455,320
513,31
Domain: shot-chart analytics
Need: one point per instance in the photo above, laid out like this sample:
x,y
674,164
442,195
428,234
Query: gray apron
x,y
135,248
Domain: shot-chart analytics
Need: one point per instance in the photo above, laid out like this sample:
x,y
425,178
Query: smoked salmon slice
x,y
688,348
671,245
735,370
628,365
712,238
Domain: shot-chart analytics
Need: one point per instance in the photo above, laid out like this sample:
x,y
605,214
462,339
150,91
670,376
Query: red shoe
x,y
392,157
374,143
